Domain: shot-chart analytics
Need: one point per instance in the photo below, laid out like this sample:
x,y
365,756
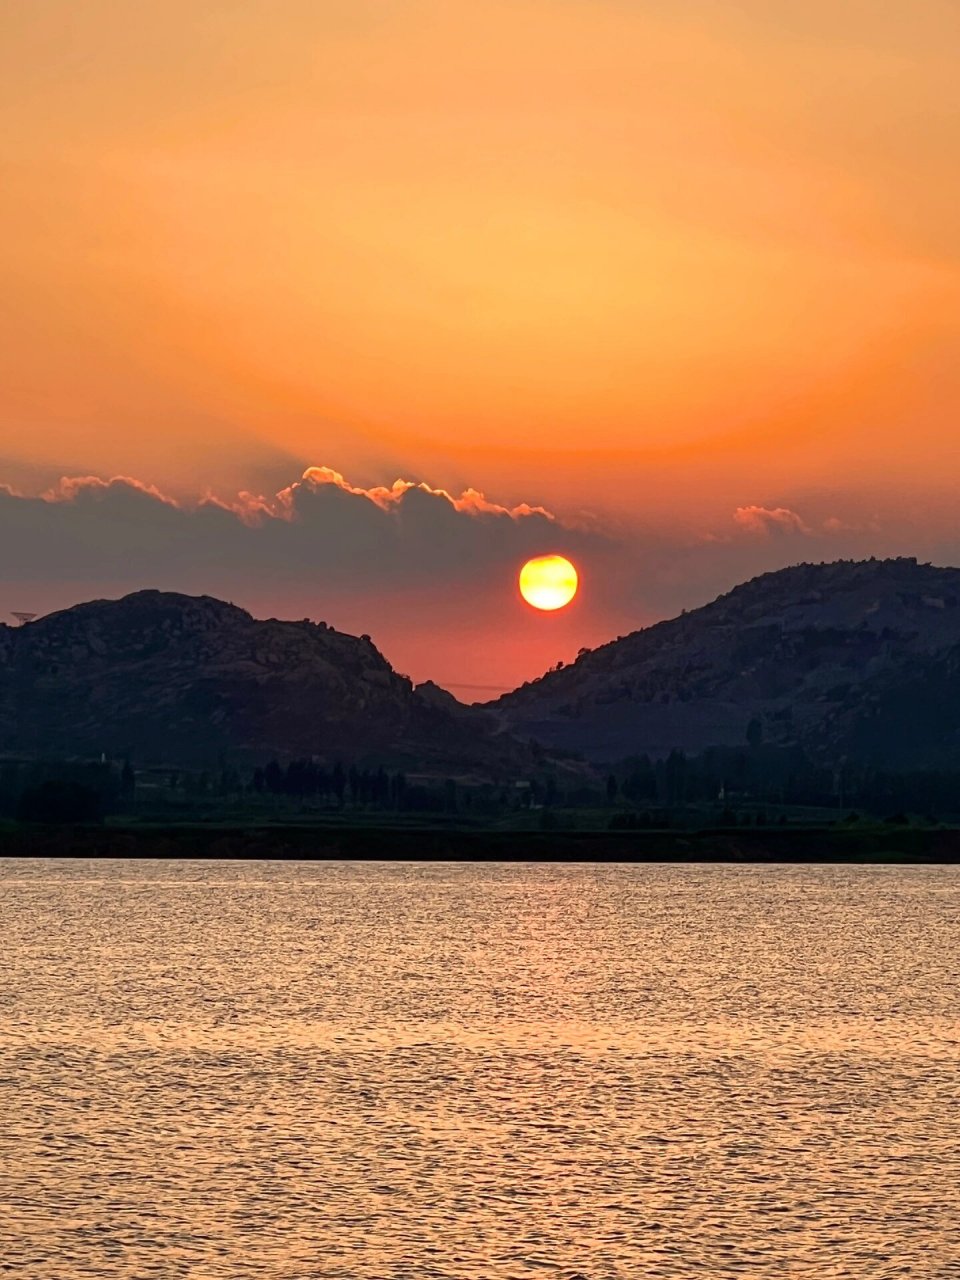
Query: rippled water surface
x,y
481,1072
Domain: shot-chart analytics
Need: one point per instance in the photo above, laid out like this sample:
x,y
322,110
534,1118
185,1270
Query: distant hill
x,y
848,659
183,679
852,658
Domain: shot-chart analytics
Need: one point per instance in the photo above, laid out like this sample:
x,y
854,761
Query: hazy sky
x,y
642,263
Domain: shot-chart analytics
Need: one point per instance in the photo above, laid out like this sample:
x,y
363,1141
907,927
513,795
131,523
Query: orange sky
x,y
651,260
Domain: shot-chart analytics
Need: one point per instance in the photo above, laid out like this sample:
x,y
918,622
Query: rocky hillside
x,y
181,679
859,659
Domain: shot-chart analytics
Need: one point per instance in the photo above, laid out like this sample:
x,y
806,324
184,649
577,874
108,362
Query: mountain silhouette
x,y
176,678
851,659
857,659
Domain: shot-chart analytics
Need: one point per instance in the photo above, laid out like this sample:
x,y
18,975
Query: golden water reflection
x,y
478,1072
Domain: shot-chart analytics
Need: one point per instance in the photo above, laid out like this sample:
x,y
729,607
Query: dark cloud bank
x,y
125,532
415,567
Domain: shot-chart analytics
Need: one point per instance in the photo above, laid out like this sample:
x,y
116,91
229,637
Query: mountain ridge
x,y
173,677
843,659
818,655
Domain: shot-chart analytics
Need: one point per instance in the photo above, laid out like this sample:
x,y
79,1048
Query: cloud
x,y
430,574
320,528
93,488
471,501
834,526
767,521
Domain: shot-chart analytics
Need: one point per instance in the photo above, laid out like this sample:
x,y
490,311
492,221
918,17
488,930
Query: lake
x,y
478,1071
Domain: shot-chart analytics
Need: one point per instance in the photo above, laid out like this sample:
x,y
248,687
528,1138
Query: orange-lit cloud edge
x,y
430,573
252,508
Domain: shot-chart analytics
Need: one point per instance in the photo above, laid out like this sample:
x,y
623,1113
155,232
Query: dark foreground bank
x,y
882,843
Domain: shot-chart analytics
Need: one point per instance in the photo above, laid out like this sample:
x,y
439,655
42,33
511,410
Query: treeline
x,y
306,779
767,775
377,789
721,786
318,785
63,791
349,786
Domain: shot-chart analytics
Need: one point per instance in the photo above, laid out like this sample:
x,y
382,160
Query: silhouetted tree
x,y
640,784
338,782
229,783
60,800
675,778
128,779
382,788
398,790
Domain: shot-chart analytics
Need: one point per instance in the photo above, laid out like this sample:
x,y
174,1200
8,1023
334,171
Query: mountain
x,y
183,679
853,658
848,659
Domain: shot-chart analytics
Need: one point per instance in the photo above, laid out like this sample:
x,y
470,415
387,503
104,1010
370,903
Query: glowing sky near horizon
x,y
644,263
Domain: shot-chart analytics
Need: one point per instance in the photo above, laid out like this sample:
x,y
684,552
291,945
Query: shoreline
x,y
938,846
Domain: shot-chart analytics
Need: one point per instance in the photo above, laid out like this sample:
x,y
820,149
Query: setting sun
x,y
548,582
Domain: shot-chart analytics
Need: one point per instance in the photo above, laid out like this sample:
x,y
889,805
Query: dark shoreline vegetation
x,y
865,843
780,809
